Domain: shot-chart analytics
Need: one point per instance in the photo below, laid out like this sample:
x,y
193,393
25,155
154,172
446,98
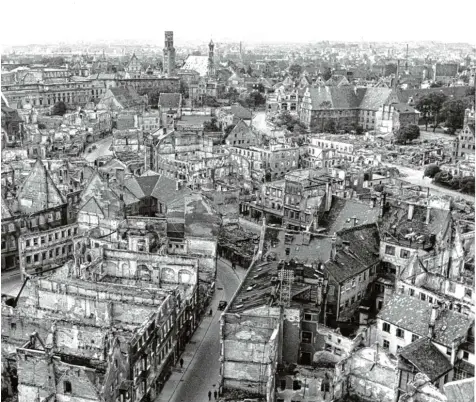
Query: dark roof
x,y
427,358
170,100
403,108
413,315
359,250
148,183
127,96
454,92
347,97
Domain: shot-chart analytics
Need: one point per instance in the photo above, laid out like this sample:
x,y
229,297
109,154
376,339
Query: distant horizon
x,y
252,22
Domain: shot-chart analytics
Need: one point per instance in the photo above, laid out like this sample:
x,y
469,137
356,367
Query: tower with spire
x,y
169,54
211,59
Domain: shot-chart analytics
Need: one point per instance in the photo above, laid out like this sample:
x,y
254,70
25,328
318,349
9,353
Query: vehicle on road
x,y
222,305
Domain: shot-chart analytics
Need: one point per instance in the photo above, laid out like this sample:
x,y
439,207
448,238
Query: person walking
x,y
215,394
209,395
181,363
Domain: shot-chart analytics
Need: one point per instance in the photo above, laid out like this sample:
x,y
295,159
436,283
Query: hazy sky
x,y
53,21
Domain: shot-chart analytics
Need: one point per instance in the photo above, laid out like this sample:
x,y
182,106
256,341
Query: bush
x,y
432,170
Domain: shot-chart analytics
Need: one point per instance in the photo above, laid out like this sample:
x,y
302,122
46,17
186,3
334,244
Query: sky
x,y
54,21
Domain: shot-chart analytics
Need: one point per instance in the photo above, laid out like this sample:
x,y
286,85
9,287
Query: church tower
x,y
169,54
211,59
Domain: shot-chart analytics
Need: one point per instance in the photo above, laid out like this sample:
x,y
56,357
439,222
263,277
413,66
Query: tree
x,y
211,125
249,71
295,70
453,113
229,128
432,170
379,187
423,105
436,103
359,129
330,127
467,185
59,109
407,133
327,74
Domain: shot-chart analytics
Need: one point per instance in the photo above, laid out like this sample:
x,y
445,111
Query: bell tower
x,y
211,59
169,54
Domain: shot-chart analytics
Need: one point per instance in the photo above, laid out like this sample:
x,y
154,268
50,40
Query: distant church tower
x,y
169,54
211,59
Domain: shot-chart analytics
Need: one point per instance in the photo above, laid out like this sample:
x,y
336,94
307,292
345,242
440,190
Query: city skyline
x,y
273,24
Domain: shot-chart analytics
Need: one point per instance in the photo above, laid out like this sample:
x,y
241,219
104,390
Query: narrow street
x,y
102,149
415,176
201,367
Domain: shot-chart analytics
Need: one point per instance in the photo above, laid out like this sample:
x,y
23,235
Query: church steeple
x,y
211,59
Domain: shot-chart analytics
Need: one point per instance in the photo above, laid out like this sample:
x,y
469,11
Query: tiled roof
x,y
427,358
413,315
147,184
453,92
170,100
373,98
347,97
38,192
358,254
403,108
127,96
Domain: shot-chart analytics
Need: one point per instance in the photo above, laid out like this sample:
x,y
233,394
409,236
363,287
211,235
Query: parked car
x,y
222,305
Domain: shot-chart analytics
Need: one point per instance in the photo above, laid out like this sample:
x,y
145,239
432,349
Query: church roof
x,y
197,63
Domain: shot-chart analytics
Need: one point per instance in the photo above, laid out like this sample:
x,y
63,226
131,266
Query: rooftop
x,y
426,358
413,315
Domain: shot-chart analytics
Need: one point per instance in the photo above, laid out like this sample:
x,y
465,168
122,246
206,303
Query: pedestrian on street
x,y
215,394
181,363
211,312
209,395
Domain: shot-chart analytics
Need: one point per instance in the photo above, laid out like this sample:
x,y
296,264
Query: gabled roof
x,y
426,358
170,100
38,192
358,253
127,96
93,207
413,314
197,63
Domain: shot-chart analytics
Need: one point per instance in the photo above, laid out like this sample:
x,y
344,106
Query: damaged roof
x,y
427,358
359,251
343,211
412,314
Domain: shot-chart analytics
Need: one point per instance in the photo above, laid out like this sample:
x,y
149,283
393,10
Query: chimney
x,y
433,318
306,238
333,247
120,176
428,213
373,201
411,209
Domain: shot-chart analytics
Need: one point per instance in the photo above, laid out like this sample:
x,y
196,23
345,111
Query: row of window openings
x,y
59,251
390,250
51,237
